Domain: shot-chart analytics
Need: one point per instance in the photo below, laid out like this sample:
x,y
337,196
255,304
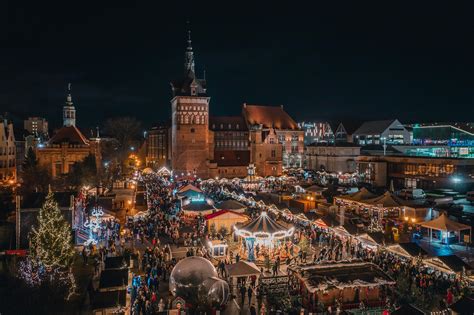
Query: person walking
x,y
249,294
242,293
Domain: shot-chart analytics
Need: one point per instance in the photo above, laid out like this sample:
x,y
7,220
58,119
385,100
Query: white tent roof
x,y
443,223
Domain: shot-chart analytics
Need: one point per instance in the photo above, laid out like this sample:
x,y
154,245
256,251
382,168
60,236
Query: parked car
x,y
412,194
470,196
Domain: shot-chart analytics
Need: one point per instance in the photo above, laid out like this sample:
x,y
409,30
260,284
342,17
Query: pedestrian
x,y
84,255
249,294
253,310
242,293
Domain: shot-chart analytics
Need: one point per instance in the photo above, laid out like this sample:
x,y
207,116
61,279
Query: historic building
x,y
275,139
156,146
191,142
231,146
7,152
204,147
67,146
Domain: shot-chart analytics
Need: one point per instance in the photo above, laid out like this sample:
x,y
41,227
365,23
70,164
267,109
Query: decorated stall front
x,y
224,220
263,236
348,283
447,231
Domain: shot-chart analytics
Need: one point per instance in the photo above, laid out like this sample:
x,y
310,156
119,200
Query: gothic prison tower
x,y
191,141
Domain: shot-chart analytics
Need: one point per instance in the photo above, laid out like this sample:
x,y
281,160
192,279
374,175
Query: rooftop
x,y
268,117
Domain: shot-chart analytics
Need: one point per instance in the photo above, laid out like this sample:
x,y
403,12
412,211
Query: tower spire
x,y
69,111
189,56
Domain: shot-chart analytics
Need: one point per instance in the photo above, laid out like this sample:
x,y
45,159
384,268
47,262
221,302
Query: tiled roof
x,y
373,127
268,117
232,158
228,123
69,134
221,212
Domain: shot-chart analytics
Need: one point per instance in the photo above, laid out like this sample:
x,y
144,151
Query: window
x,y
230,126
222,126
192,130
213,126
237,126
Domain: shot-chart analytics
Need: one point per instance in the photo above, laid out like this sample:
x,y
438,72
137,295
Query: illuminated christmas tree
x,y
51,252
51,241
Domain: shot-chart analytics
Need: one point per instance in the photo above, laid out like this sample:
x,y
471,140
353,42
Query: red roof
x,y
221,212
269,117
70,135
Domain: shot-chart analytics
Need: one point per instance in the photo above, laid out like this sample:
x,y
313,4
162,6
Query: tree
x,y
223,231
212,229
34,176
126,130
51,240
48,266
83,172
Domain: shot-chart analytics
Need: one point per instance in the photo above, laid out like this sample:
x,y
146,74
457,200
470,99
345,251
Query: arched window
x,y
186,119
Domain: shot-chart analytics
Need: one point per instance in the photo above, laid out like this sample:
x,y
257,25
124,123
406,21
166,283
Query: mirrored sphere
x,y
218,292
188,277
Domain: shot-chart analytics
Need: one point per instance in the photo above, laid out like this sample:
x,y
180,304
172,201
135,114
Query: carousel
x,y
264,237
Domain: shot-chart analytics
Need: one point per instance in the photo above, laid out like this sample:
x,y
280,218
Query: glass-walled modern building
x,y
417,172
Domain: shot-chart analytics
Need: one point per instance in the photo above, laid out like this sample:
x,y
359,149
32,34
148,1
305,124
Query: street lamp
x,y
384,139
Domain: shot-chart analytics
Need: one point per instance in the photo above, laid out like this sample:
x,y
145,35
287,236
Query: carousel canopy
x,y
264,227
443,223
242,269
387,200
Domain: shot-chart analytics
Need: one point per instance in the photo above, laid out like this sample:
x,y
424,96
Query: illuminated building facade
x,y
416,172
7,152
67,146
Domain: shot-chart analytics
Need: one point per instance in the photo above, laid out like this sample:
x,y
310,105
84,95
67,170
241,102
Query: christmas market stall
x,y
231,204
224,220
447,231
264,237
450,264
345,283
241,272
407,250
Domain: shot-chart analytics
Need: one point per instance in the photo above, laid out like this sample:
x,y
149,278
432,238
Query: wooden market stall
x,y
224,218
347,282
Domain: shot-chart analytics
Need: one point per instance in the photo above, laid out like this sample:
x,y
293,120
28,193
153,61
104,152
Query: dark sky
x,y
411,60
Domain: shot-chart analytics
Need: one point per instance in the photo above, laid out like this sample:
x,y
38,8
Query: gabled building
x,y
276,141
68,145
381,132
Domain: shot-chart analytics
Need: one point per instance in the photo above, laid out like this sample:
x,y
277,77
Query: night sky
x,y
411,60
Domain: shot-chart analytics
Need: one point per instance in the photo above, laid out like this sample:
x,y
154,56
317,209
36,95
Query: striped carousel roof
x,y
263,224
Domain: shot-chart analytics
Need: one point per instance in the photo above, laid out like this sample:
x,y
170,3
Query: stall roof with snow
x,y
341,275
407,249
242,269
449,264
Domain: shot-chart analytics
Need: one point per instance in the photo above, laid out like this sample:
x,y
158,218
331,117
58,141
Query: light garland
x,y
94,225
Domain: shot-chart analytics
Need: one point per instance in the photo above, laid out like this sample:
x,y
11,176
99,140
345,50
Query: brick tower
x,y
191,147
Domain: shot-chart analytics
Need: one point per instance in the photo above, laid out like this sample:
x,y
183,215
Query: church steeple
x,y
69,111
189,58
